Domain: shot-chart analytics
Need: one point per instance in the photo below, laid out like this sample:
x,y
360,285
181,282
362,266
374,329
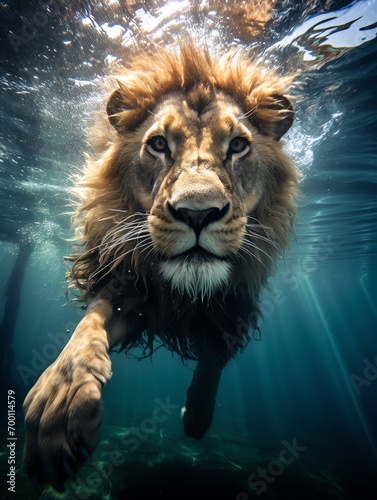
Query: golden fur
x,y
179,220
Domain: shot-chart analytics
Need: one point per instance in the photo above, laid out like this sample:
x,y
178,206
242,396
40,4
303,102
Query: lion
x,y
180,219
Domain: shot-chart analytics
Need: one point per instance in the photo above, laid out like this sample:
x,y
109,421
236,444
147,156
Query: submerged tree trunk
x,y
12,302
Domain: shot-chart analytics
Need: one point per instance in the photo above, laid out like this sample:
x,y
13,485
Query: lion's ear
x,y
115,105
278,124
287,115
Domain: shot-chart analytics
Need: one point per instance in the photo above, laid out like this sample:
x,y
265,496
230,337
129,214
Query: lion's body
x,y
181,216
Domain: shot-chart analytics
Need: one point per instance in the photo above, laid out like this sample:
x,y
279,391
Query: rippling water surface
x,y
307,382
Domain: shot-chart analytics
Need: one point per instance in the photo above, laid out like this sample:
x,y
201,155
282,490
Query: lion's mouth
x,y
197,253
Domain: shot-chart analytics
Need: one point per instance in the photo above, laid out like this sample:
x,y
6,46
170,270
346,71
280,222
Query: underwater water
x,y
307,389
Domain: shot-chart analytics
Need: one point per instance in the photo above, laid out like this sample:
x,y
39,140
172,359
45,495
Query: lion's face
x,y
192,190
199,175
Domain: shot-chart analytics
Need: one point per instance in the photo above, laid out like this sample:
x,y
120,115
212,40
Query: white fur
x,y
196,277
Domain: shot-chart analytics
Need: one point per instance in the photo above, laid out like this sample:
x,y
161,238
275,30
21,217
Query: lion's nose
x,y
198,219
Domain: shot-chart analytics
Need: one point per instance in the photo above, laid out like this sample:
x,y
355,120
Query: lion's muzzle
x,y
193,231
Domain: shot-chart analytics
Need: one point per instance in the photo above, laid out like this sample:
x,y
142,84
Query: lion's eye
x,y
158,143
238,145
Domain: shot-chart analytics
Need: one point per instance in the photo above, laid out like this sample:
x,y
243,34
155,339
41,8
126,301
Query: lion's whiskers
x,y
250,247
111,249
117,259
125,238
253,232
128,229
252,254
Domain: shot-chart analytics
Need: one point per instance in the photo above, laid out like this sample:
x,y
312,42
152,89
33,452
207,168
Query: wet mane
x,y
149,76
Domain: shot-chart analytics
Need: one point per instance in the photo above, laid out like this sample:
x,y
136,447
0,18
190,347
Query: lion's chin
x,y
198,277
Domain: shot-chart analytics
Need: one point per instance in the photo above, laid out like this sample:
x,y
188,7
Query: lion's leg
x,y
63,409
201,398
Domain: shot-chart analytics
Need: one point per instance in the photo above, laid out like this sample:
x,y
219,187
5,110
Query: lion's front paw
x,y
63,414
